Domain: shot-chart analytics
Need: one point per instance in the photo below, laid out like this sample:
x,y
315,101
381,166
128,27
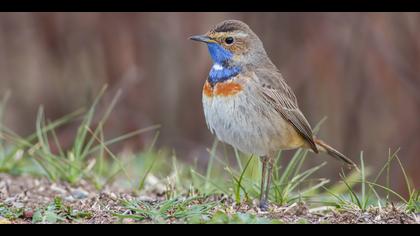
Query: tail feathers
x,y
323,147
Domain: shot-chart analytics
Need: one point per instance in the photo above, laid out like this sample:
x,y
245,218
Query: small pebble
x,y
57,189
79,194
69,198
28,214
145,199
18,205
128,221
113,196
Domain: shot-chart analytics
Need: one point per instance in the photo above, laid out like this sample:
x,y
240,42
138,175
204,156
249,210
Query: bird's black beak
x,y
202,38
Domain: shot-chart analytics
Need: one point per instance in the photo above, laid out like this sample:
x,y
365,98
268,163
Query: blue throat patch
x,y
220,72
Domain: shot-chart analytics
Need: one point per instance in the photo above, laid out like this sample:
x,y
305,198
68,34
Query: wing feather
x,y
275,90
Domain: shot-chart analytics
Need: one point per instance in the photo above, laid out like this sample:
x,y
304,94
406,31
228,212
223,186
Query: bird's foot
x,y
264,205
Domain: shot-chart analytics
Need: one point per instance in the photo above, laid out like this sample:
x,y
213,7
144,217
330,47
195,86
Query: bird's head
x,y
232,43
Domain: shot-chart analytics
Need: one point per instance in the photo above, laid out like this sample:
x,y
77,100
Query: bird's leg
x,y
263,199
270,162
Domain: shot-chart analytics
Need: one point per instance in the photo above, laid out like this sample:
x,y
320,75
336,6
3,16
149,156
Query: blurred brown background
x,y
361,70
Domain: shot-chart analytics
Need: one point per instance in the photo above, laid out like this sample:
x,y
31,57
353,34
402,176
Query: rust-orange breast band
x,y
224,89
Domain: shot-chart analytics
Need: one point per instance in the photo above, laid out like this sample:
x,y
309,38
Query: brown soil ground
x,y
28,193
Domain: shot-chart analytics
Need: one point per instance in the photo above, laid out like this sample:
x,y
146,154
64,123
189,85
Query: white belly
x,y
247,124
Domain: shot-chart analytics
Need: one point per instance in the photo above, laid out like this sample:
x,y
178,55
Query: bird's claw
x,y
263,206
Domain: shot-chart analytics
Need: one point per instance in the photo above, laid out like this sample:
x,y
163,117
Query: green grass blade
x,y
210,164
363,181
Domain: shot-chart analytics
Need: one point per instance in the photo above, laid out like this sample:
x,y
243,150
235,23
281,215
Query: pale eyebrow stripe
x,y
240,34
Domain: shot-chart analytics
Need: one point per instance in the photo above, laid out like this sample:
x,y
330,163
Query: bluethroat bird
x,y
249,105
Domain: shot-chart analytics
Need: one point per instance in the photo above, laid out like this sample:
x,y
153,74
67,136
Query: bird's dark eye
x,y
229,40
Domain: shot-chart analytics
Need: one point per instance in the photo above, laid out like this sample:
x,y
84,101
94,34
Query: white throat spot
x,y
217,67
